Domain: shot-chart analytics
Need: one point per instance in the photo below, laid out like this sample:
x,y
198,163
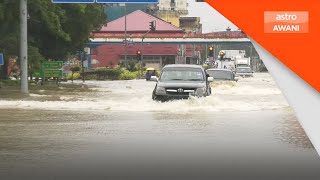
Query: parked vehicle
x,y
244,71
242,62
150,72
180,81
222,75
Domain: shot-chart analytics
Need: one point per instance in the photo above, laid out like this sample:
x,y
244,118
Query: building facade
x,y
191,24
154,55
171,10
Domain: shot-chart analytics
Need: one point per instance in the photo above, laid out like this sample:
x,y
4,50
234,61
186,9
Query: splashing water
x,y
249,94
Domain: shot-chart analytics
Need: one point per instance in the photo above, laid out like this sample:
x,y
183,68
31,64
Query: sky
x,y
211,19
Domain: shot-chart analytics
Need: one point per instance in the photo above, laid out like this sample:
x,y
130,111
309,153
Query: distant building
x,y
173,5
191,24
154,55
172,11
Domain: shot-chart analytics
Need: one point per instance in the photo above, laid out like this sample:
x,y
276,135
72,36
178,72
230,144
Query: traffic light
x,y
221,54
152,26
138,55
210,51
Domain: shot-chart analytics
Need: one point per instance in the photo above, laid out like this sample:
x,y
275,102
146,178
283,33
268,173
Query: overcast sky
x,y
211,19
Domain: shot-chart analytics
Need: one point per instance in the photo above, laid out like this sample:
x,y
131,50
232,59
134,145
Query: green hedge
x,y
75,76
107,73
117,73
9,82
127,75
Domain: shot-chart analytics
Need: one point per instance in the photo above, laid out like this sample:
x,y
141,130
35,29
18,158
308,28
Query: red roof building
x,y
138,23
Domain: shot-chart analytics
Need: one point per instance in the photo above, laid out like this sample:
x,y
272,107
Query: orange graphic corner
x,y
293,38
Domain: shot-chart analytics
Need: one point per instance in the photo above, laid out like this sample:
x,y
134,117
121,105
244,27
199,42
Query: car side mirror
x,y
154,78
210,79
236,79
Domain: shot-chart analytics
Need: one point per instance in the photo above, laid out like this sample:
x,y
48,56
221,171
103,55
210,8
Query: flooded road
x,y
113,130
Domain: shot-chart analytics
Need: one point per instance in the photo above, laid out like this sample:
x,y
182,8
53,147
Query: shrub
x,y
108,73
127,75
75,76
90,77
75,69
9,82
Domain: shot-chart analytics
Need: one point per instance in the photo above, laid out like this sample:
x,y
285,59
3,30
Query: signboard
x,y
48,73
1,59
73,1
105,1
52,65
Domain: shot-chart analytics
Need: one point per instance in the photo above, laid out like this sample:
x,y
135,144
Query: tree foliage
x,y
75,69
54,30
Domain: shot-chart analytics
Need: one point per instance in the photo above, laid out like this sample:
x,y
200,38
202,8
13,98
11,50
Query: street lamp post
x,y
125,35
152,28
143,36
24,46
142,50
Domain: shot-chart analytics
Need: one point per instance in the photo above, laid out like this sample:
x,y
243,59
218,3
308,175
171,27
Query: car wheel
x,y
209,92
155,97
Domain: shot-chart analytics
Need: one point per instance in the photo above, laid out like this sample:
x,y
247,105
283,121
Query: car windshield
x,y
244,70
182,74
224,75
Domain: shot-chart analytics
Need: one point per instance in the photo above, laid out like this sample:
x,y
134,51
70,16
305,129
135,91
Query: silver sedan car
x,y
244,71
222,75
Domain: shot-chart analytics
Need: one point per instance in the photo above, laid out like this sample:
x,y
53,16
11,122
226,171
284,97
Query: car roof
x,y
219,70
183,65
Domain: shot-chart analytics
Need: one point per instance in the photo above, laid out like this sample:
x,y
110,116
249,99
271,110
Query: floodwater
x,y
113,130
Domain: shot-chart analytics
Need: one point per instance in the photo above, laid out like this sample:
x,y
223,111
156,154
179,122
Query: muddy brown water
x,y
113,130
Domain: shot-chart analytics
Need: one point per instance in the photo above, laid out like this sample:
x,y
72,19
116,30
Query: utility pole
x,y
82,57
125,34
206,51
24,46
143,36
152,28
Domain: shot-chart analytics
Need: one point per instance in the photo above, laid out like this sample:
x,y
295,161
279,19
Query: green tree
x,y
9,13
54,30
34,60
132,66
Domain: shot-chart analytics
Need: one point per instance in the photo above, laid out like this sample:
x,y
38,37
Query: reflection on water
x,y
116,143
289,130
